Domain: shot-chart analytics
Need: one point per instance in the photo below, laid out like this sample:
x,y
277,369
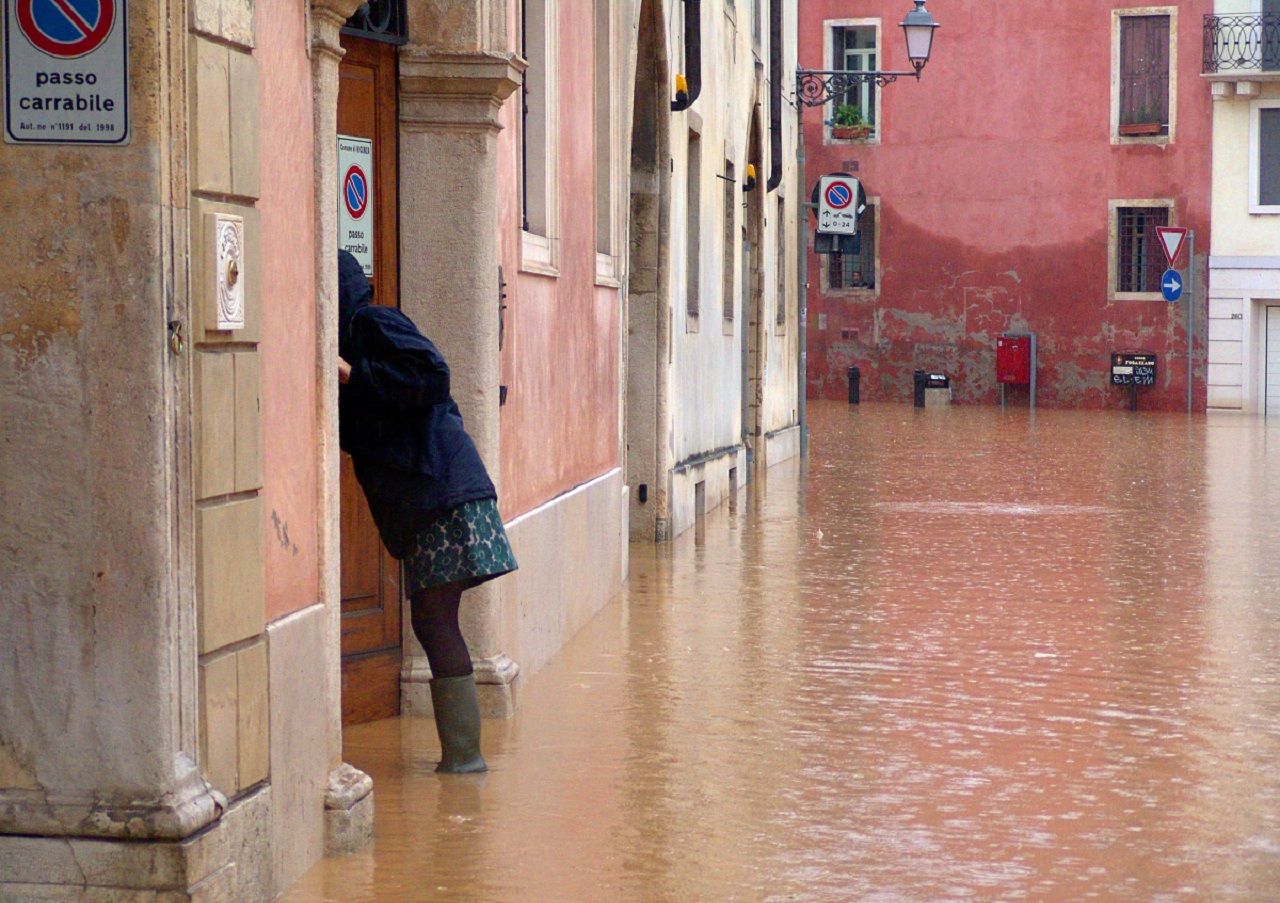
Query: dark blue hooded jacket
x,y
396,418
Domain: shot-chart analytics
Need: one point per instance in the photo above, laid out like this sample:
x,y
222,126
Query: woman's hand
x,y
344,371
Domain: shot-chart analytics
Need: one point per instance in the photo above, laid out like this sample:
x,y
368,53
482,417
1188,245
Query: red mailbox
x,y
1013,360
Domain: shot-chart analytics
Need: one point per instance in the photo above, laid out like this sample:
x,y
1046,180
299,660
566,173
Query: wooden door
x,y
371,620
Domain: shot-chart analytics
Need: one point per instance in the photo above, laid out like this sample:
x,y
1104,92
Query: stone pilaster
x,y
449,173
348,811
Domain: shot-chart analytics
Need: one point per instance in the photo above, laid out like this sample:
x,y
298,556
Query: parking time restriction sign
x,y
66,72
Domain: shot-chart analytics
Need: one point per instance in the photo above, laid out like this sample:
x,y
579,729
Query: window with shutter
x,y
1144,75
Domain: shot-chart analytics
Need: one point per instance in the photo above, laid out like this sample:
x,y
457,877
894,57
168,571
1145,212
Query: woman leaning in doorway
x,y
428,490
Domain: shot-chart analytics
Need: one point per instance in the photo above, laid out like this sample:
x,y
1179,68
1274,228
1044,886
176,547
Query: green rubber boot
x,y
458,724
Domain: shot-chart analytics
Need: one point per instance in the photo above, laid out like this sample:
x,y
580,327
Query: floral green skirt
x,y
466,544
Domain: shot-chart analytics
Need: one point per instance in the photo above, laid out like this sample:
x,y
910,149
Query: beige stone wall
x,y
229,518
96,737
147,700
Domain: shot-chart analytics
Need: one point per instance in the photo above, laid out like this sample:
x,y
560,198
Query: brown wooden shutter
x,y
1144,70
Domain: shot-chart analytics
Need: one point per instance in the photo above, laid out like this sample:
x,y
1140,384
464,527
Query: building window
x,y
852,271
538,134
1139,257
1144,81
693,231
781,264
1264,158
853,48
730,205
604,127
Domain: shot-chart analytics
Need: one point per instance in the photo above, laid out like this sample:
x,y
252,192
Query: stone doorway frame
x,y
647,312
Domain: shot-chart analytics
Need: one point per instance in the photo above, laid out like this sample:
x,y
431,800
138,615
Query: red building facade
x,y
1015,188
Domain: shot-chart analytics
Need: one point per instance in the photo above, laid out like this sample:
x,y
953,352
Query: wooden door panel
x,y
371,598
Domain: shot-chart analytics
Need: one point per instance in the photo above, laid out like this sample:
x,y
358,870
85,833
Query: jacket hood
x,y
354,292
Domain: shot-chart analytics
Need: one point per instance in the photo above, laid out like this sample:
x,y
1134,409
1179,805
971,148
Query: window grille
x,y
781,265
730,203
693,228
1139,258
380,20
849,271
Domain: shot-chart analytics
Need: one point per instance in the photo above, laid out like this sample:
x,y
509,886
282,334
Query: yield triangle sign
x,y
1172,238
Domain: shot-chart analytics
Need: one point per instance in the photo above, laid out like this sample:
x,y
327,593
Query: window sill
x,y
1137,296
607,271
1264,210
536,255
831,140
1119,140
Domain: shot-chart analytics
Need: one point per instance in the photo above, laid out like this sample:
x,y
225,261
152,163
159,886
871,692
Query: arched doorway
x,y
648,310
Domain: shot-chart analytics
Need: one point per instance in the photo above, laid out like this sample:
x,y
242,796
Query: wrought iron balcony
x,y
1242,45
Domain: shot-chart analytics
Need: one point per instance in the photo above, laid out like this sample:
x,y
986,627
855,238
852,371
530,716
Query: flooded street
x,y
962,654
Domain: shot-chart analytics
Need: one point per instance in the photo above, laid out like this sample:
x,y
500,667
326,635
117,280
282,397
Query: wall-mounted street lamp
x,y
815,88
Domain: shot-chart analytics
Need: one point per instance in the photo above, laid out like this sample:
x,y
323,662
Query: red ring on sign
x,y
356,210
846,188
91,38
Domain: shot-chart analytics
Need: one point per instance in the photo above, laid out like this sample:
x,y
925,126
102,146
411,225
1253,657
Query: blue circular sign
x,y
1171,285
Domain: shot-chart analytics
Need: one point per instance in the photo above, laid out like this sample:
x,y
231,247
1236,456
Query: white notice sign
x,y
66,72
838,205
355,199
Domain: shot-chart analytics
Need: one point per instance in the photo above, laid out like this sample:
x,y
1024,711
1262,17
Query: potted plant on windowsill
x,y
1147,122
847,123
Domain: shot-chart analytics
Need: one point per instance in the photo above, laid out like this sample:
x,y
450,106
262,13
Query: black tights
x,y
435,623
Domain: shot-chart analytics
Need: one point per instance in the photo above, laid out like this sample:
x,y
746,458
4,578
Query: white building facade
x,y
1242,64
712,353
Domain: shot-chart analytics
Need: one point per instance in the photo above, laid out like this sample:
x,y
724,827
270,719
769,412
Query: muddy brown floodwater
x,y
961,654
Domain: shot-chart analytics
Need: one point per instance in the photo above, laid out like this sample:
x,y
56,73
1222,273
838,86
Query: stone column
x,y
449,174
349,801
98,779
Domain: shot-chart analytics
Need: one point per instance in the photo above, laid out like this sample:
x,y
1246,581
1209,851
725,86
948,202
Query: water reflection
x,y
965,654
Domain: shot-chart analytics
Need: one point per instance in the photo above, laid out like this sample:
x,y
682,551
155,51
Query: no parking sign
x,y
355,199
839,204
66,72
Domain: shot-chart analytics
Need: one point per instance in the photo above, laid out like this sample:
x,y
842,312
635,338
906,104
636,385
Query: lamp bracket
x,y
815,87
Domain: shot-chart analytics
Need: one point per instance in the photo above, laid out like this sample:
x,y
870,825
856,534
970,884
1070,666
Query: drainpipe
x,y
775,95
692,56
802,271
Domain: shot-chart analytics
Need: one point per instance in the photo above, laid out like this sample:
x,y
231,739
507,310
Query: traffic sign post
x,y
66,72
1173,284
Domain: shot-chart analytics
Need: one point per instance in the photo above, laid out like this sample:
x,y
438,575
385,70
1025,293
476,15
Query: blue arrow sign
x,y
1171,285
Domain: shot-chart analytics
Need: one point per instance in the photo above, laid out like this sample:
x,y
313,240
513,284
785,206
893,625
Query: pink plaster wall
x,y
560,359
995,171
287,209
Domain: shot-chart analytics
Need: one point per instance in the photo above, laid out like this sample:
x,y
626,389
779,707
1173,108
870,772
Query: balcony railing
x,y
1242,44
